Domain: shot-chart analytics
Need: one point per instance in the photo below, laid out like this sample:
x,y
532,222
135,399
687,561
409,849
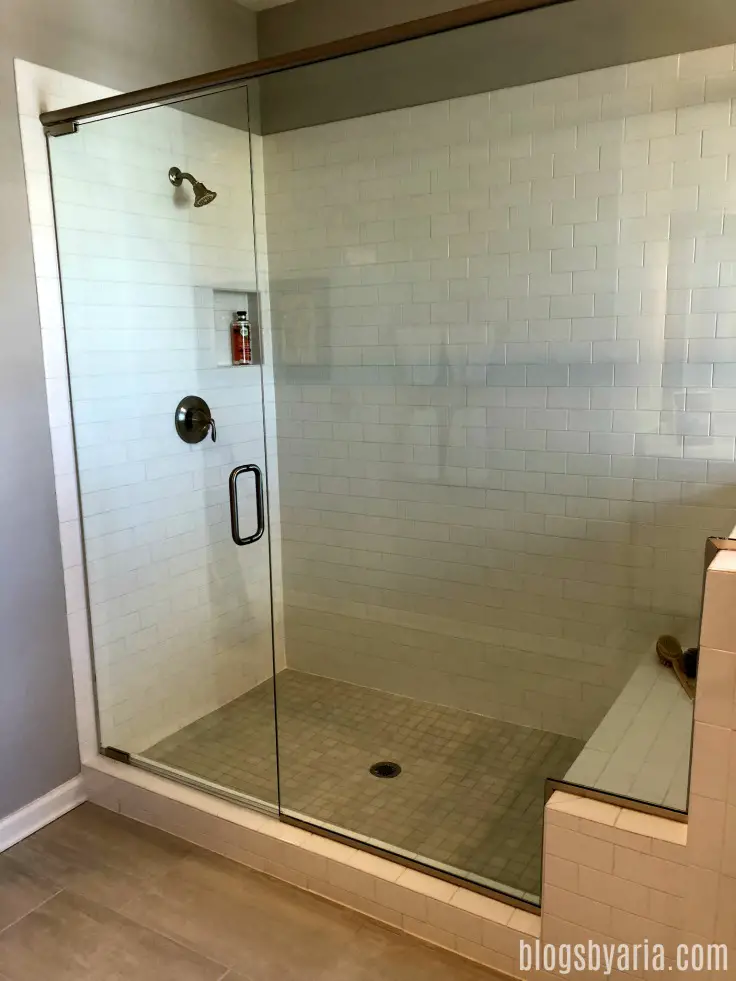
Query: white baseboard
x,y
20,824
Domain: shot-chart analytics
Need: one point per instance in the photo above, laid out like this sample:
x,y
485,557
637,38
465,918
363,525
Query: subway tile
x,y
707,832
710,770
716,687
579,909
703,117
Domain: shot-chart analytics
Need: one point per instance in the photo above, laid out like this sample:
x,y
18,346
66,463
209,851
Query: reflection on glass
x,y
154,268
490,342
497,464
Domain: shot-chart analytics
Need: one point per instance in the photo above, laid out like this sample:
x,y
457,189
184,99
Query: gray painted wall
x,y
539,45
126,45
667,25
305,22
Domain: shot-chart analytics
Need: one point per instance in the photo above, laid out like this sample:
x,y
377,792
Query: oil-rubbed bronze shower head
x,y
202,195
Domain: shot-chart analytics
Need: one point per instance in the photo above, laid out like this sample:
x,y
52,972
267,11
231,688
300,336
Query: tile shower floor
x,y
470,794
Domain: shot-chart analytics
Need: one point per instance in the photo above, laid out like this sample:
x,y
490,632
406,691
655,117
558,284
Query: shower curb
x,y
438,912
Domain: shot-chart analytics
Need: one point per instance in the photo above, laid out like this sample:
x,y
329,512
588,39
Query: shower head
x,y
202,195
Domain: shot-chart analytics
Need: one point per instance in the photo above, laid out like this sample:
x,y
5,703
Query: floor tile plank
x,y
143,905
414,961
243,919
258,926
69,938
98,854
21,890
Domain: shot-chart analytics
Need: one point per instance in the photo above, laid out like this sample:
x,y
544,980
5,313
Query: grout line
x,y
159,933
28,913
120,911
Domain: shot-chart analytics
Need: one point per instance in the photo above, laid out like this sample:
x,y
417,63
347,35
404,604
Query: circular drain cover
x,y
386,770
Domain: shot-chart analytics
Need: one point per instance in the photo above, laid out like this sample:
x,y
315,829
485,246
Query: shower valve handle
x,y
194,421
207,423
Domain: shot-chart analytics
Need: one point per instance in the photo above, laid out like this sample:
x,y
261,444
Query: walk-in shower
x,y
465,324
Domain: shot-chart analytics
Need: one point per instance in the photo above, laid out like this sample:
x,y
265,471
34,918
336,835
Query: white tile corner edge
x,y
24,822
617,816
724,561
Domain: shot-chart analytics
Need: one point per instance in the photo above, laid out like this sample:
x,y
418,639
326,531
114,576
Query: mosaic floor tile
x,y
470,794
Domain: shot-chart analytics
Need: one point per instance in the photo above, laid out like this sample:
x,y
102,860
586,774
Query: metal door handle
x,y
260,516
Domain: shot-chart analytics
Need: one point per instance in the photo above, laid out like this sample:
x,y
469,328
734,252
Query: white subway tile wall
x,y
505,335
181,619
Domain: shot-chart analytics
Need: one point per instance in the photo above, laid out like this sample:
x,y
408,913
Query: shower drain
x,y
386,770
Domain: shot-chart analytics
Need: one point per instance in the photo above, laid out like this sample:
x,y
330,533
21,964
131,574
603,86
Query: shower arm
x,y
177,176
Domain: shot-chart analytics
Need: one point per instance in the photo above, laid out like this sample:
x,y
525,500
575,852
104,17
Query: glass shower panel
x,y
154,270
456,510
498,336
419,710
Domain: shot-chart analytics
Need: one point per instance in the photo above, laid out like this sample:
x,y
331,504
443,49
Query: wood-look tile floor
x,y
98,897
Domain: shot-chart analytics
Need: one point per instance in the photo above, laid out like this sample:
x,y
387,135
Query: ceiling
x,y
262,4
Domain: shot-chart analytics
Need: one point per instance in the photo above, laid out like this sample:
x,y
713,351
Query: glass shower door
x,y
419,711
169,432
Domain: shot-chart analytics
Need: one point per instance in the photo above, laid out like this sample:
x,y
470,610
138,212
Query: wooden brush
x,y
670,653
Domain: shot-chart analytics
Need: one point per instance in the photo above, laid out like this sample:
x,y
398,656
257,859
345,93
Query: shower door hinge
x,y
61,129
119,755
